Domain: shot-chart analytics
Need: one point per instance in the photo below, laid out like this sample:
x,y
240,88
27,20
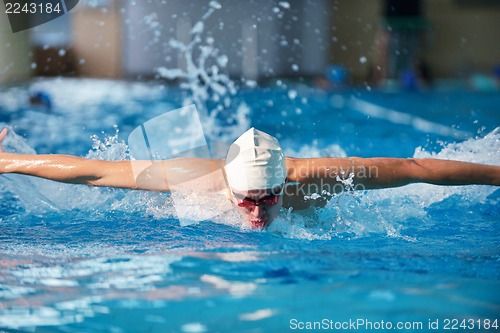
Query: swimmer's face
x,y
258,207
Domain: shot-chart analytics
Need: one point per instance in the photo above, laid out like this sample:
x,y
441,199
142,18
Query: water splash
x,y
204,80
355,214
14,143
484,150
111,148
22,187
418,197
413,201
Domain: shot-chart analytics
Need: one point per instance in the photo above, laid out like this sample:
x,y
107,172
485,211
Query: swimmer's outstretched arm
x,y
376,173
139,175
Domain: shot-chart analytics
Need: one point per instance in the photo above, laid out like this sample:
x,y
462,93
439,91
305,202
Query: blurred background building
x,y
372,40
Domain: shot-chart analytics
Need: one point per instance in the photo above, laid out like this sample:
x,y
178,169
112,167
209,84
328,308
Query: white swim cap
x,y
255,161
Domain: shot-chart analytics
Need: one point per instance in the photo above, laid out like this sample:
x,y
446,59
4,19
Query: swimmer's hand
x,y
3,133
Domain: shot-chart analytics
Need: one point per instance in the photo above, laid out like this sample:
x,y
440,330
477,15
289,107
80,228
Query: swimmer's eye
x,y
269,200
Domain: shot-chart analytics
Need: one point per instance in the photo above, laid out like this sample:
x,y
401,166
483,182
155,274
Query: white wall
x,y
15,51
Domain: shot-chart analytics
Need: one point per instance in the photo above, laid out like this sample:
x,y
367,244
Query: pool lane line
x,y
398,117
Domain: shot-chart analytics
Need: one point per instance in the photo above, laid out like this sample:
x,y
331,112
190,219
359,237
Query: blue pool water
x,y
78,259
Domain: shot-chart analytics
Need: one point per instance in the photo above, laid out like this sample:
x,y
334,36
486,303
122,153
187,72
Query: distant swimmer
x,y
256,176
41,98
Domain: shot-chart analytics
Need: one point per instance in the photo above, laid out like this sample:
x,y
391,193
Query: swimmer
x,y
40,98
256,176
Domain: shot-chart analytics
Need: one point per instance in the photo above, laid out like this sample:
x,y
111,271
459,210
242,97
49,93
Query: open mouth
x,y
258,224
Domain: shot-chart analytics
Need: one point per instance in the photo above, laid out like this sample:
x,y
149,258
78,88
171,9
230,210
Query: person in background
x,y
398,45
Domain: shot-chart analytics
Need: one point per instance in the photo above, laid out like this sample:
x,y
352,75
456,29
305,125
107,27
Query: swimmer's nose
x,y
258,212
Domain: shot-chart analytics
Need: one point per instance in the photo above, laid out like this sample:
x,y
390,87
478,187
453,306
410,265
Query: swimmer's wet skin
x,y
256,176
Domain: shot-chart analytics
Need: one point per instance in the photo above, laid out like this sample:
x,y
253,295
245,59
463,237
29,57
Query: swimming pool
x,y
78,259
